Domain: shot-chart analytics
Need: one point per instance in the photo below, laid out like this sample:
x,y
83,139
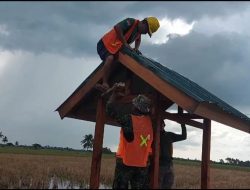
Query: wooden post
x,y
205,163
156,146
97,146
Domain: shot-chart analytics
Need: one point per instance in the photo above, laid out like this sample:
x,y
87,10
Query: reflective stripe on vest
x,y
112,42
136,153
144,140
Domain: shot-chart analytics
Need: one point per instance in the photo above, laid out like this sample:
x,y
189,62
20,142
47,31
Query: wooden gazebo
x,y
165,87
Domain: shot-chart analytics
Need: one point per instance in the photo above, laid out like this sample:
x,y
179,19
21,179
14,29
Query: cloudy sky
x,y
48,48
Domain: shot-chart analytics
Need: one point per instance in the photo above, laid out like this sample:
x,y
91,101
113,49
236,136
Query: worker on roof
x,y
136,136
123,34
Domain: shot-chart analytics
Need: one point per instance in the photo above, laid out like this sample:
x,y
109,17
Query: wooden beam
x,y
205,161
97,146
186,117
214,113
156,145
165,88
83,115
92,119
76,97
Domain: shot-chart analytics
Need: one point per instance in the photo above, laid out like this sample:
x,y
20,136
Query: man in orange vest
x,y
136,136
123,34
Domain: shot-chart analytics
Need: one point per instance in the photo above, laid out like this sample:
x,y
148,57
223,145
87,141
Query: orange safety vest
x,y
113,43
136,153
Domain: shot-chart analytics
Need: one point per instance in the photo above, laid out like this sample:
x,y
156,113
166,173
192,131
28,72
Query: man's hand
x,y
118,91
128,46
137,51
118,87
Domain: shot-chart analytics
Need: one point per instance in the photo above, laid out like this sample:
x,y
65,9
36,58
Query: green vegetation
x,y
87,142
81,153
4,138
230,167
47,151
213,164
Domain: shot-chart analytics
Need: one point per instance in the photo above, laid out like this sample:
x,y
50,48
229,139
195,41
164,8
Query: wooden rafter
x,y
212,112
187,118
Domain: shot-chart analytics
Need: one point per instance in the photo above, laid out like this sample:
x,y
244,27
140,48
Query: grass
x,y
213,165
34,169
54,152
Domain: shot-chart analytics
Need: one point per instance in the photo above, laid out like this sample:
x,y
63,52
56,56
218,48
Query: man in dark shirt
x,y
124,115
166,171
123,34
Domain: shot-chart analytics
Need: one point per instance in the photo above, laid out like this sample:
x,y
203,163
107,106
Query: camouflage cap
x,y
142,103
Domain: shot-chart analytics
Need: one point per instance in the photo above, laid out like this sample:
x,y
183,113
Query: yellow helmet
x,y
153,25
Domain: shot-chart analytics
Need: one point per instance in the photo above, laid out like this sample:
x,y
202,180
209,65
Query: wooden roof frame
x,y
195,109
188,103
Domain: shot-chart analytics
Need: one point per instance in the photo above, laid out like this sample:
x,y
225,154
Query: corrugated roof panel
x,y
187,86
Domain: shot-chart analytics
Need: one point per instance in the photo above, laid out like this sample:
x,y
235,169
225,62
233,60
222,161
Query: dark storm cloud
x,y
56,27
32,87
73,28
188,10
219,63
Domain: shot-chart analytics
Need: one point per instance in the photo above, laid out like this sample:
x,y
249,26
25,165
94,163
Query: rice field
x,y
72,172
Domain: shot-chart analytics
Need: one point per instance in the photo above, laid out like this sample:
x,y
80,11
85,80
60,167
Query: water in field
x,y
66,184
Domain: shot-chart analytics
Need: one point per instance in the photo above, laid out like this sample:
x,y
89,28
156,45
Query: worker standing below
x,y
166,170
123,34
136,136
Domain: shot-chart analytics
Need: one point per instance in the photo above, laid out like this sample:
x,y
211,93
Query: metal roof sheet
x,y
184,84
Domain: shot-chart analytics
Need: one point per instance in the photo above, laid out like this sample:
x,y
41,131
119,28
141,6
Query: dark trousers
x,y
125,175
166,176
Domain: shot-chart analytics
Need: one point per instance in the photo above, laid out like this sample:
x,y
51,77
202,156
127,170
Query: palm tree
x,y
5,139
87,142
16,143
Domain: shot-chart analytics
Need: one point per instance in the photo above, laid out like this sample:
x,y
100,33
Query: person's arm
x,y
120,35
121,27
137,43
115,111
177,137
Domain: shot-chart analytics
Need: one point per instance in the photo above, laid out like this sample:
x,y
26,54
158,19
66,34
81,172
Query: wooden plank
x,y
156,145
76,97
205,161
186,118
97,146
166,89
214,113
